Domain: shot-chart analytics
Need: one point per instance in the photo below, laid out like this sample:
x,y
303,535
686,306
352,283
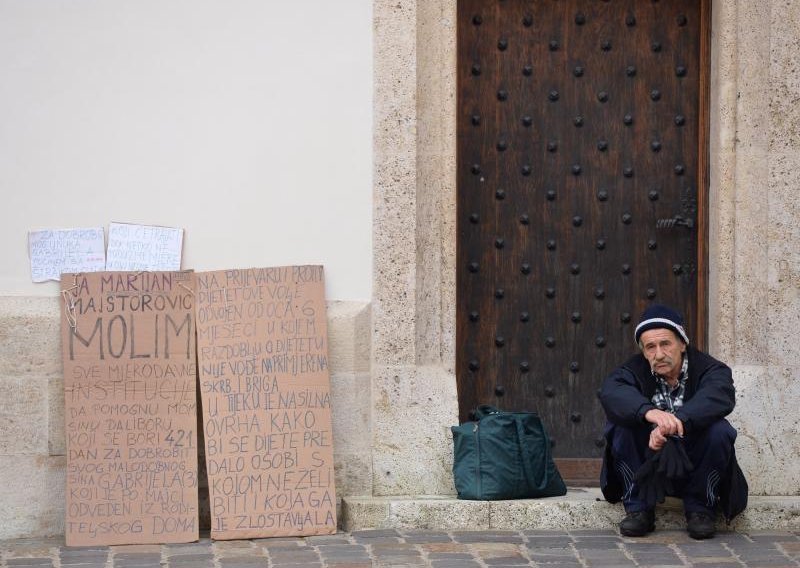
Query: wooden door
x,y
581,197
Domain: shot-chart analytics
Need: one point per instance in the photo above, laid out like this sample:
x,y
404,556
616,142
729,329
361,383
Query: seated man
x,y
671,388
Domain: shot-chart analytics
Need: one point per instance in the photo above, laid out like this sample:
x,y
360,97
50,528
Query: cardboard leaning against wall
x,y
128,345
265,388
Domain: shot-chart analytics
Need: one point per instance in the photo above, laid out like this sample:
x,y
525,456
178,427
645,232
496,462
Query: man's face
x,y
663,349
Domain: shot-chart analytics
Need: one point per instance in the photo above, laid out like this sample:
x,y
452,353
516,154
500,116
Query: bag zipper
x,y
478,461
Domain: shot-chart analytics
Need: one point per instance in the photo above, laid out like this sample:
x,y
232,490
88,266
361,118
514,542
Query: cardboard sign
x,y
265,388
128,344
143,247
55,251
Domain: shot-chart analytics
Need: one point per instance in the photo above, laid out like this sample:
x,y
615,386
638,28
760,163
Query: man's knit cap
x,y
661,317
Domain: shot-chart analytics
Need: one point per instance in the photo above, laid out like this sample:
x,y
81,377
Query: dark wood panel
x,y
580,127
580,472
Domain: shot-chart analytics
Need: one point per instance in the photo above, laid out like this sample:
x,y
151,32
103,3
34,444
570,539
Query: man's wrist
x,y
644,410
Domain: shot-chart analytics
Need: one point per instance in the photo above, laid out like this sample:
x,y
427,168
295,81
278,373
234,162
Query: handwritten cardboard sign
x,y
265,388
55,251
143,247
128,344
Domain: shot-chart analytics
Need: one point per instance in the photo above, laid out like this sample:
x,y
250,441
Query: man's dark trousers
x,y
709,450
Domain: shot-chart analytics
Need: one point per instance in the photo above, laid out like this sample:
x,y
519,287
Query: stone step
x,y
581,507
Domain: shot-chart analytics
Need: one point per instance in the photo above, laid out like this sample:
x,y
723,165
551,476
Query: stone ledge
x,y
580,508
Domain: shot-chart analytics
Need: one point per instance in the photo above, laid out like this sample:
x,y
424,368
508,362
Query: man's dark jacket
x,y
626,397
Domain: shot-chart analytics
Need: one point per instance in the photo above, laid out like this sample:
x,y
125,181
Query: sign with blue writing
x,y
53,251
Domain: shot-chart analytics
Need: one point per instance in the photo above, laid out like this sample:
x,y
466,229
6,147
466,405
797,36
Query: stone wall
x,y
31,418
413,310
754,238
32,442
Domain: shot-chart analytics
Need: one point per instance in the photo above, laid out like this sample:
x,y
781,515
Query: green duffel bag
x,y
504,455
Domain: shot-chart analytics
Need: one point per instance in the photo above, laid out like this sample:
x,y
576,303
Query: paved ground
x,y
458,549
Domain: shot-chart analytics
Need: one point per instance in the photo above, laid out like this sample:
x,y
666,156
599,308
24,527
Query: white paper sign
x,y
56,251
143,247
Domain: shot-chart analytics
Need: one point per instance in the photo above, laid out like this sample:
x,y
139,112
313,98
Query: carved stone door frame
x,y
413,300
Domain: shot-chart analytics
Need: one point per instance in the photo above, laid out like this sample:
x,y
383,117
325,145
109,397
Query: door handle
x,y
676,221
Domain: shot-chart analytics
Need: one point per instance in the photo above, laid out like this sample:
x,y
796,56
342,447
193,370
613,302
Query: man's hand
x,y
657,439
667,423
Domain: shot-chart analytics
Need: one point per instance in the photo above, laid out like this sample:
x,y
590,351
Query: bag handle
x,y
484,410
525,466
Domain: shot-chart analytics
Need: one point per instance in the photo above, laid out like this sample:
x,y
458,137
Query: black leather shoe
x,y
700,525
638,523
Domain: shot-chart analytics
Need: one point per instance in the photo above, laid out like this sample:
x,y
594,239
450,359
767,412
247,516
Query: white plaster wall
x,y
248,123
